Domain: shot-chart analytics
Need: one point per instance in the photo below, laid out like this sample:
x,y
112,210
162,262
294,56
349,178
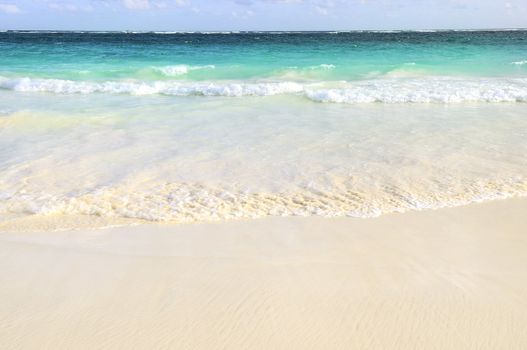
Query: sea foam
x,y
181,69
395,90
178,202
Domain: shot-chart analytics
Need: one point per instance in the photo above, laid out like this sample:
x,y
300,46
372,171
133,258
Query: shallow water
x,y
224,133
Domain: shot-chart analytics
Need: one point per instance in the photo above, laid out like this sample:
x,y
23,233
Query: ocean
x,y
192,127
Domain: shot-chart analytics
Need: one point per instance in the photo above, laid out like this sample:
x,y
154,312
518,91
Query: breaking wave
x,y
396,90
323,66
185,202
181,69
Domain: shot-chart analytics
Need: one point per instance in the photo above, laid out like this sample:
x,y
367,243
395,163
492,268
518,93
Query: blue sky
x,y
261,14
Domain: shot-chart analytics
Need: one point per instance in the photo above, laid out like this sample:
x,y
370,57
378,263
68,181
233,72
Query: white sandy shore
x,y
447,279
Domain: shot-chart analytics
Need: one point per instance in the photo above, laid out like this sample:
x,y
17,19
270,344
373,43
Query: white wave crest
x,y
5,112
519,63
396,90
323,66
181,69
185,202
425,91
149,88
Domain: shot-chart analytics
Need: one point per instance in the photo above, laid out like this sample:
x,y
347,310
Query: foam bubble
x,y
425,91
181,69
394,90
184,202
324,66
5,112
148,88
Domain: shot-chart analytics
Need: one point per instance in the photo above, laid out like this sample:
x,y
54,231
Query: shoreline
x,y
447,278
34,223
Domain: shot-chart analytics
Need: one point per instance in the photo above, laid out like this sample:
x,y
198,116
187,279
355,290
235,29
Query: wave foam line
x,y
323,66
181,69
401,90
186,202
149,88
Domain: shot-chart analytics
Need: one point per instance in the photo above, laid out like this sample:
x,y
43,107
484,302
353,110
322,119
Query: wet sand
x,y
446,279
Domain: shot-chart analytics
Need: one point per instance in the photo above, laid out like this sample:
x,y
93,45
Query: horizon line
x,y
132,31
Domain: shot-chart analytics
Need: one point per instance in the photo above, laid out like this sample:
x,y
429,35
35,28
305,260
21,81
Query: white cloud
x,y
182,3
9,8
149,4
68,6
252,2
322,7
242,14
137,4
322,10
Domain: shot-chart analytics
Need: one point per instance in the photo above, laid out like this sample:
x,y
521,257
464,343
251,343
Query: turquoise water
x,y
308,56
327,67
189,126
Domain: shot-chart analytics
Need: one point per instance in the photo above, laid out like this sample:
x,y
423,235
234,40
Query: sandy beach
x,y
263,174
447,279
